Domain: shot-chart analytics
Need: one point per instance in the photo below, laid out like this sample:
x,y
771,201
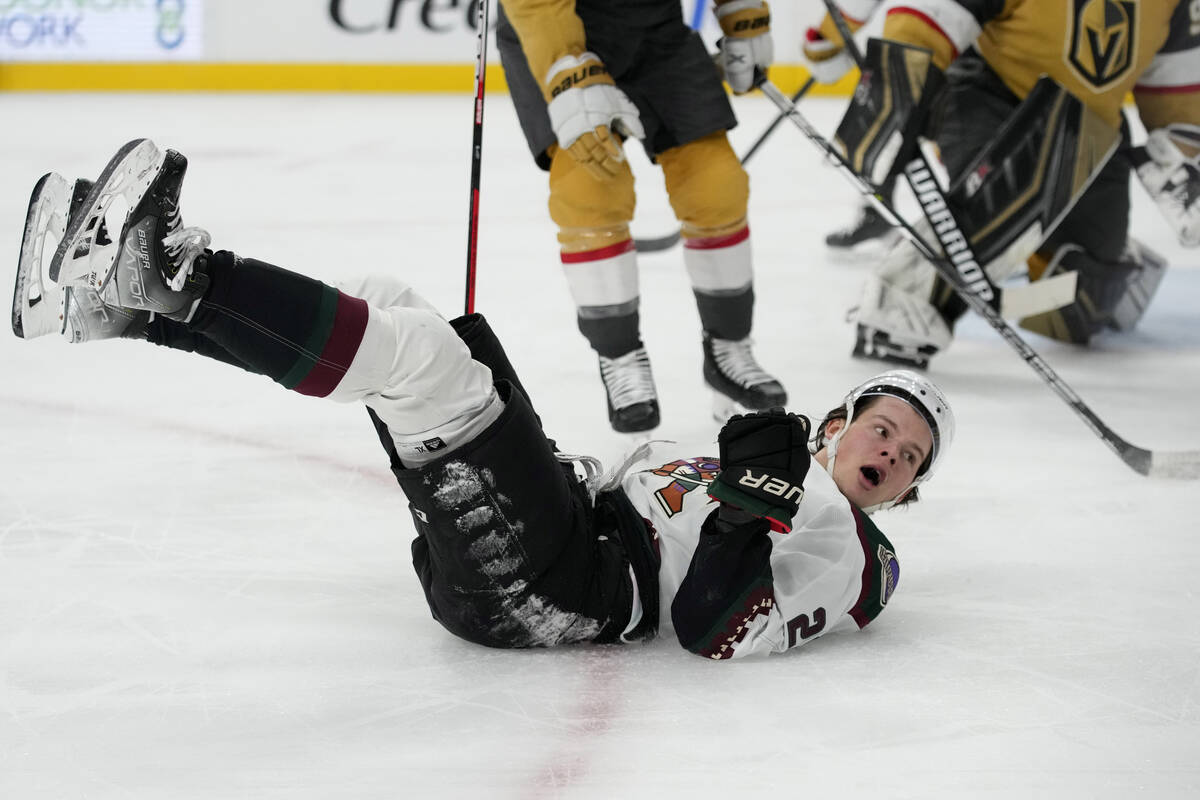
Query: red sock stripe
x,y
349,324
717,242
612,251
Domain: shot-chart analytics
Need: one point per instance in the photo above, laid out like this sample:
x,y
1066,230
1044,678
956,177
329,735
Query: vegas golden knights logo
x,y
1103,38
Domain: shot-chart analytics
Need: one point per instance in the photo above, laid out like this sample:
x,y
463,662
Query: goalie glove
x,y
1172,178
827,60
891,103
585,109
764,460
824,50
746,45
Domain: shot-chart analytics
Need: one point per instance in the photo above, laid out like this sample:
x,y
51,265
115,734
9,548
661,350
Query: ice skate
x,y
739,384
37,299
868,233
632,399
85,317
149,267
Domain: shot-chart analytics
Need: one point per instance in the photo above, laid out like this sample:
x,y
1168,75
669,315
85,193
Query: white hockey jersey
x,y
834,571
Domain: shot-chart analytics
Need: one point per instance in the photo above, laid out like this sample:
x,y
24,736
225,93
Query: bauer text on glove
x,y
586,108
764,460
746,45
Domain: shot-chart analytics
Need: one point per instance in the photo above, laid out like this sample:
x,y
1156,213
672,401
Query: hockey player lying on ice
x,y
517,545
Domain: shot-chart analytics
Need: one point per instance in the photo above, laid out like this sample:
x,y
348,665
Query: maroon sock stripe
x,y
338,332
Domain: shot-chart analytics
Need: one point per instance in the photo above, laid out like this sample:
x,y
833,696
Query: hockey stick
x,y
671,239
1156,464
476,153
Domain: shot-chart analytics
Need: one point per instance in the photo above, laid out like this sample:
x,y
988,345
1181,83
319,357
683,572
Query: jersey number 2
x,y
805,627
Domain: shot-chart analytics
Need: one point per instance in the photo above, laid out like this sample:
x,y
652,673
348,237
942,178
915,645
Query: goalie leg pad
x,y
1030,174
1108,294
898,326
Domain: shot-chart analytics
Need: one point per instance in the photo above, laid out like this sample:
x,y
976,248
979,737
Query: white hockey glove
x,y
1172,177
586,108
746,45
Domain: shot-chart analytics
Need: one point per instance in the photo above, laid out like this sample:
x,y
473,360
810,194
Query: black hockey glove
x,y
764,458
889,108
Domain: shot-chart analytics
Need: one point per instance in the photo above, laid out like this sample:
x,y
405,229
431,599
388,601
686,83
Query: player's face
x,y
881,451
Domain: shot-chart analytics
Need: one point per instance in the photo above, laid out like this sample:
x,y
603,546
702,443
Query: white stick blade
x,y
1179,465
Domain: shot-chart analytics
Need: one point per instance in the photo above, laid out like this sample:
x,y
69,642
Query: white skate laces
x,y
183,245
628,378
597,479
736,362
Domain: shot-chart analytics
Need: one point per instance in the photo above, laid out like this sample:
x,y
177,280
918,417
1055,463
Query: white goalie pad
x,y
38,300
906,270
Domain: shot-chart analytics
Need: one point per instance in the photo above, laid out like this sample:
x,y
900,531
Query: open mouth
x,y
871,474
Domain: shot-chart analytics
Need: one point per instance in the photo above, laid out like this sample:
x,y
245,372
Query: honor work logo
x,y
1101,45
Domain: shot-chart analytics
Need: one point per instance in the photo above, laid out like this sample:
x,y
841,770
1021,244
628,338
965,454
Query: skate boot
x,y
37,298
632,399
739,384
870,227
85,317
150,266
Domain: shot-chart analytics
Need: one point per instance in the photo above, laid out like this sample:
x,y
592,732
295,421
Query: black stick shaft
x,y
476,153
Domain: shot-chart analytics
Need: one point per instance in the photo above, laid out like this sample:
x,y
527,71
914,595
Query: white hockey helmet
x,y
925,398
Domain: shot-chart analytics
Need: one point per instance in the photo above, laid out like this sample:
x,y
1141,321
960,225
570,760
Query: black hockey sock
x,y
178,336
726,316
301,333
612,337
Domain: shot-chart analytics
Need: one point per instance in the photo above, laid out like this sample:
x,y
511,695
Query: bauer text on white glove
x,y
746,45
586,108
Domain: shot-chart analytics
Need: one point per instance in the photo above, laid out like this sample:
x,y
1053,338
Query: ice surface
x,y
205,585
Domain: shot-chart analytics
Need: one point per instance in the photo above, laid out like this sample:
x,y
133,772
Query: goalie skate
x,y
37,299
869,233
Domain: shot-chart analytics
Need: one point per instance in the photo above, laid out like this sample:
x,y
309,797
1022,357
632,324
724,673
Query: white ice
x,y
205,582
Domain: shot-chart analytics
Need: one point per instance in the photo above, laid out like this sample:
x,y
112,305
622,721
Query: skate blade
x,y
724,407
82,261
37,300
